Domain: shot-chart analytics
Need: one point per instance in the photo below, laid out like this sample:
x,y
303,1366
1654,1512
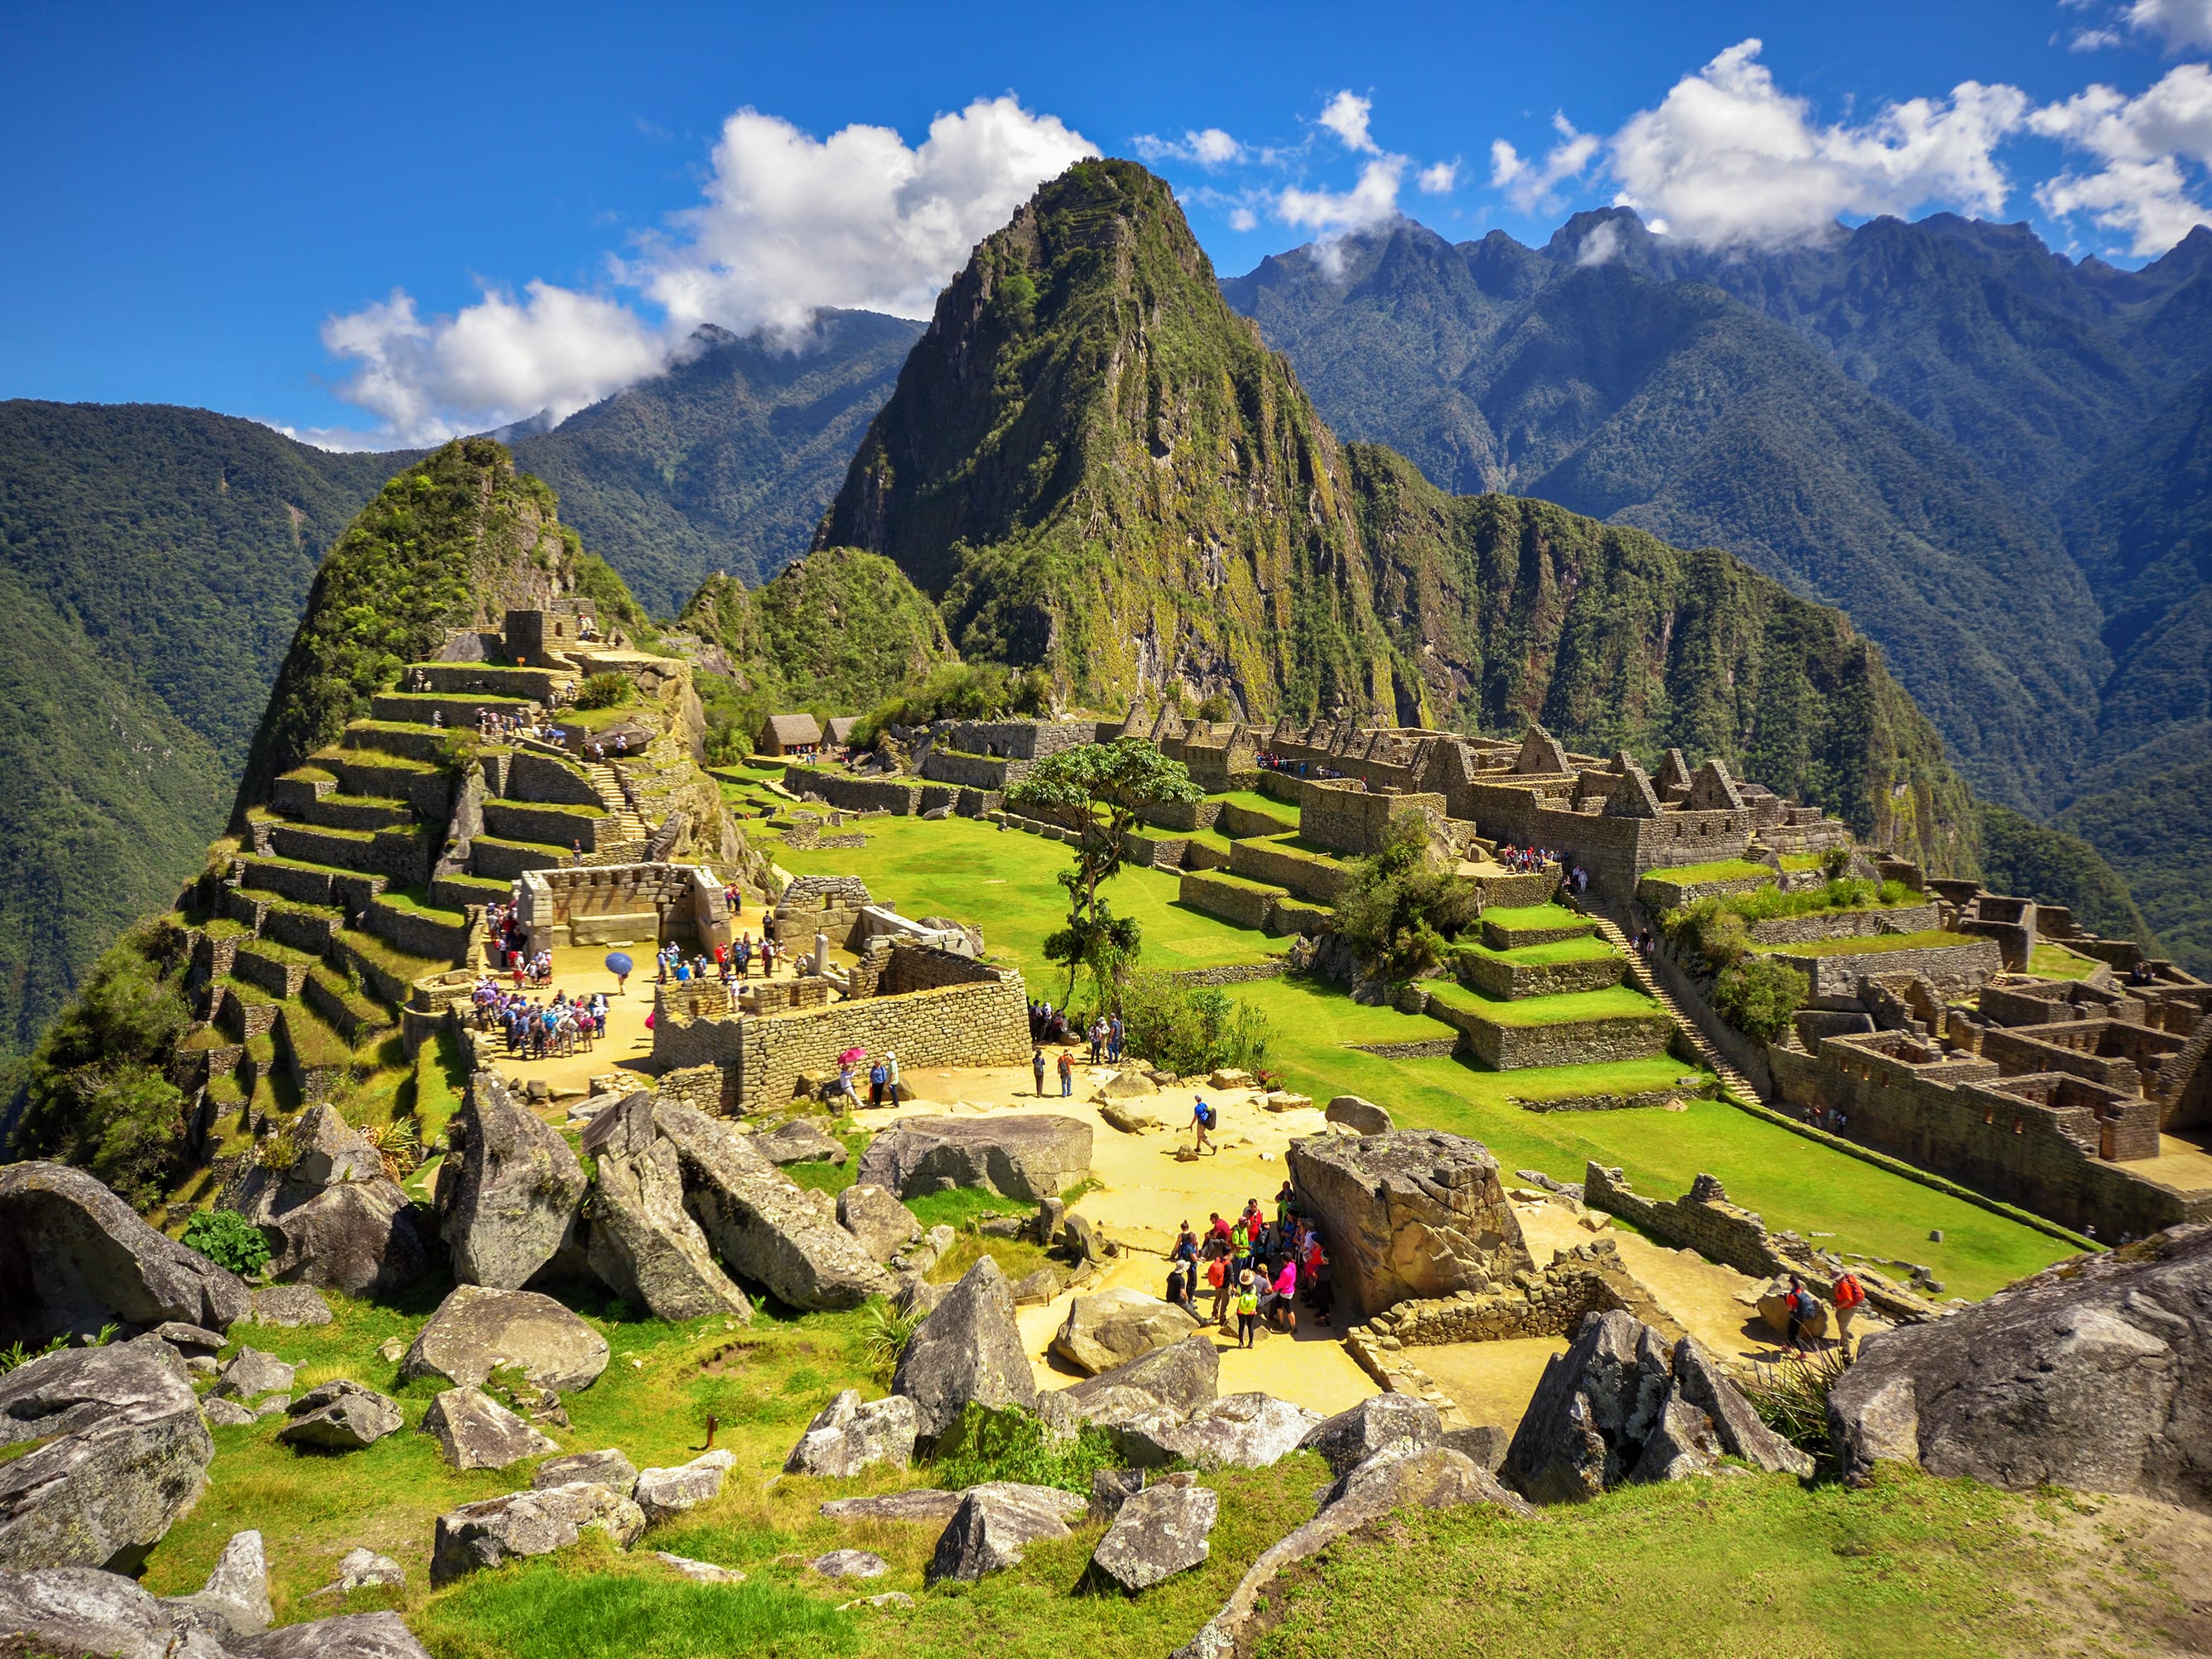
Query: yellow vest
x,y
1247,1301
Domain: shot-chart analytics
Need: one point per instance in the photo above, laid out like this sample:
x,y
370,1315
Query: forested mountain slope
x,y
1096,466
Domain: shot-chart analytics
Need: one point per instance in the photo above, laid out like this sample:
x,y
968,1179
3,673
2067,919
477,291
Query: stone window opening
x,y
2020,1125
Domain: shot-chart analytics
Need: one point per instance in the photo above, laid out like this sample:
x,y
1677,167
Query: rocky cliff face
x,y
1094,464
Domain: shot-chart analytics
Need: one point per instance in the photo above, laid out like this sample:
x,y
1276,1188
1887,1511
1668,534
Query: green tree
x,y
1401,910
1105,791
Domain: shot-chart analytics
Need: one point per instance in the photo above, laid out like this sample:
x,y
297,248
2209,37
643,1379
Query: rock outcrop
x,y
74,1257
332,1217
645,1245
1433,1478
119,1452
290,1305
1184,1378
1116,1326
477,1330
661,1494
802,1140
875,1217
525,1524
2095,1374
235,1599
349,1636
1414,1213
763,1226
1361,1116
1033,1158
847,1435
512,1203
1380,1425
968,1349
1157,1533
475,1432
340,1416
1236,1431
252,1373
1618,1406
607,1468
994,1524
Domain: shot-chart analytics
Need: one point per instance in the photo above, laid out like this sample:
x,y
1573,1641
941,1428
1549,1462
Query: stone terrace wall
x,y
1956,1118
1955,970
1845,924
1550,1302
1616,851
762,1058
1353,821
900,797
1021,740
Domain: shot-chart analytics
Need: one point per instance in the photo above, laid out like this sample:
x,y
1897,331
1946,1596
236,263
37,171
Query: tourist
x,y
1036,1069
1800,1304
1286,1297
876,1077
1114,1034
1201,1120
1097,1034
1851,1297
1217,1275
891,1075
1319,1285
1179,1286
1247,1309
1066,1074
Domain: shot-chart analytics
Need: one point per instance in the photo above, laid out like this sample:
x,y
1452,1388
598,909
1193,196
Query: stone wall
x,y
1499,977
1355,821
646,903
431,938
554,826
1856,923
1658,891
1242,903
536,777
1184,816
1309,875
1618,852
900,797
760,1058
1957,971
970,771
1237,821
1565,1043
2033,1141
1021,740
1552,1301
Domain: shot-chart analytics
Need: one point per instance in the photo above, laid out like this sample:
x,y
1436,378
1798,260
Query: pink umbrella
x,y
851,1055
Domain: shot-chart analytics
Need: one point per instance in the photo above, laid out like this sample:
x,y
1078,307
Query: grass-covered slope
x,y
453,542
724,462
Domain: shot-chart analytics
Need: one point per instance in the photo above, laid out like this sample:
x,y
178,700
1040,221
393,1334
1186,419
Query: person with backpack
x,y
1179,1286
1851,1297
1217,1275
1247,1309
1801,1303
1066,1074
1202,1120
1286,1296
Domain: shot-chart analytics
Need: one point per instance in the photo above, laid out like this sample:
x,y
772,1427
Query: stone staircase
x,y
629,824
1732,1080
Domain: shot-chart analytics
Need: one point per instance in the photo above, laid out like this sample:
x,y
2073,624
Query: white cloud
x,y
1601,247
1439,179
1372,200
1728,159
2184,25
1346,117
1530,185
1243,219
2142,190
1212,147
789,224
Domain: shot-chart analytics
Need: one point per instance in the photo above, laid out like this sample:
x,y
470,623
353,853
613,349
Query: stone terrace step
x,y
308,882
277,968
459,712
421,930
306,928
371,812
387,972
297,790
352,1014
494,679
1732,1080
378,775
549,825
419,744
499,859
457,892
402,854
243,1009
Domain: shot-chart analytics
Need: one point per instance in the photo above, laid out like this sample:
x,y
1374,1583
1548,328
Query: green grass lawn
x,y
1609,1002
2057,962
1933,939
1526,917
1589,948
1003,882
1253,800
1689,875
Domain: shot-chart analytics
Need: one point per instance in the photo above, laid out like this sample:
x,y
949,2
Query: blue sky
x,y
376,224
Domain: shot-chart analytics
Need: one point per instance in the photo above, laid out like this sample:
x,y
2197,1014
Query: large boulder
x,y
968,1349
1157,1533
475,1432
340,1416
511,1204
475,1331
991,1527
1361,1116
349,1636
802,1140
930,1506
646,1247
525,1524
1414,1213
119,1452
661,1494
290,1305
1116,1326
1380,1425
1238,1432
1184,1378
234,1601
252,1373
1622,1404
332,1217
1031,1157
605,1468
2096,1374
1435,1479
847,1435
763,1226
78,1613
883,1224
74,1257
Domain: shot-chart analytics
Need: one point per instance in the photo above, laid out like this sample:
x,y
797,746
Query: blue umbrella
x,y
618,964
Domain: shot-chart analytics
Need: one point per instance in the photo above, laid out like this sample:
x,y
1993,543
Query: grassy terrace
x,y
1689,875
1613,1002
1934,938
1527,917
1589,948
1005,882
2057,962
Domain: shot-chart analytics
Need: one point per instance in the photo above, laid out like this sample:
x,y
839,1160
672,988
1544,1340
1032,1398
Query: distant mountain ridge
x,y
1982,452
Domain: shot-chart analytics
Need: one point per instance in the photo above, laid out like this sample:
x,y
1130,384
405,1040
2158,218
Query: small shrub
x,y
1187,1028
1012,1445
1759,994
1791,1397
606,691
228,1239
884,1333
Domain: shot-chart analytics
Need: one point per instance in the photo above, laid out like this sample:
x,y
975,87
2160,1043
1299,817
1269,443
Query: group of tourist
x,y
1525,860
728,963
1257,1268
539,1030
1290,768
1047,1024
